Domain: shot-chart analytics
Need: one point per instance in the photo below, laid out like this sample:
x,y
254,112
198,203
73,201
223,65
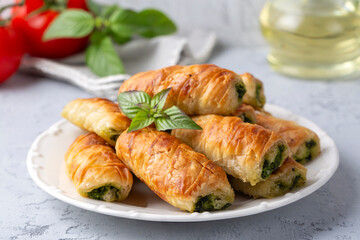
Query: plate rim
x,y
190,217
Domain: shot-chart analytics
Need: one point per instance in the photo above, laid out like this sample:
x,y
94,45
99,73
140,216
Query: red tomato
x,y
28,7
32,27
31,5
77,4
11,51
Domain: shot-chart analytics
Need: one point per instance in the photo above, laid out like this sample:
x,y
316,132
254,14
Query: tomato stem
x,y
3,22
12,5
101,23
55,5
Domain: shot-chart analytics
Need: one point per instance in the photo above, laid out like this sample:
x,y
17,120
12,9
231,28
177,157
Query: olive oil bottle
x,y
315,39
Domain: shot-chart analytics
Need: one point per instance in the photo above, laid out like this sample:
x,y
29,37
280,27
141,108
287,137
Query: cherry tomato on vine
x,y
32,25
28,7
11,52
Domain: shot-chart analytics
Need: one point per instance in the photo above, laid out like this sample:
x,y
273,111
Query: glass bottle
x,y
314,39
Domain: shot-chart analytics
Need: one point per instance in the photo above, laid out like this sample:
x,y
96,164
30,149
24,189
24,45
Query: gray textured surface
x,y
30,104
235,21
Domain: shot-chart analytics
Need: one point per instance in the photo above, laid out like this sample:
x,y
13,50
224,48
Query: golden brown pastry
x,y
97,115
246,151
96,171
304,143
254,95
174,171
195,89
246,113
287,177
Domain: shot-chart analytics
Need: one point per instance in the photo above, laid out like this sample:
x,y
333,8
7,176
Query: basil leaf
x,y
158,101
94,7
102,58
152,23
120,39
141,120
131,102
70,24
121,25
121,31
125,16
108,11
143,111
176,119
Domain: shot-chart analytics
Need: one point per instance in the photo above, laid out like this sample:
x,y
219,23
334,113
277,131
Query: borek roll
x,y
96,171
195,89
246,151
246,113
97,115
174,171
304,143
287,177
254,95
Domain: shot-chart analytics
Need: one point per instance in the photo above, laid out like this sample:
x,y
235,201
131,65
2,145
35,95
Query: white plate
x,y
46,166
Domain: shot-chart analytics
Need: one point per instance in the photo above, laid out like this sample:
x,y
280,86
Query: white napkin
x,y
138,55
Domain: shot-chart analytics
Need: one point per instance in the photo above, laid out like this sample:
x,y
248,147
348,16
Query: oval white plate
x,y
46,166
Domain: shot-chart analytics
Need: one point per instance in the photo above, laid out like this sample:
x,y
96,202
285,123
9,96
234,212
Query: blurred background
x,y
31,103
236,22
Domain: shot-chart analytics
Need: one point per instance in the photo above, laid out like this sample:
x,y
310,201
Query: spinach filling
x,y
268,167
114,137
282,186
207,203
257,93
100,192
296,180
112,133
246,118
307,157
240,89
288,187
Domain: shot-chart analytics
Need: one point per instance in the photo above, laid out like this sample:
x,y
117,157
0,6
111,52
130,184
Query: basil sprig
x,y
144,110
105,25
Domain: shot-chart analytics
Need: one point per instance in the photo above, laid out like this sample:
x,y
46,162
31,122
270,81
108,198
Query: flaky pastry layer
x,y
94,168
254,95
174,171
246,151
287,177
304,143
97,115
196,89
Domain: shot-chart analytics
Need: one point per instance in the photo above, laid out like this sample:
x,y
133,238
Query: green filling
x,y
310,144
99,193
111,134
207,203
257,93
282,186
307,157
296,180
240,89
287,187
268,167
226,206
246,119
114,137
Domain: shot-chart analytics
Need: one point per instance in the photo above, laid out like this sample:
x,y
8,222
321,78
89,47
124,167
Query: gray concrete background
x,y
30,104
236,22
